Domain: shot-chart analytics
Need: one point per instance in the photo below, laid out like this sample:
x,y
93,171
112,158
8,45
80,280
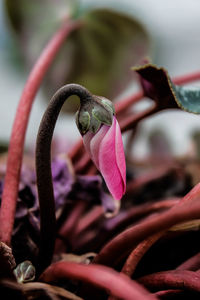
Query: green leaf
x,y
158,86
187,98
98,55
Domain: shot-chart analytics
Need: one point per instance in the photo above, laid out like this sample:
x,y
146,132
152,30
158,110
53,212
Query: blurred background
x,y
168,32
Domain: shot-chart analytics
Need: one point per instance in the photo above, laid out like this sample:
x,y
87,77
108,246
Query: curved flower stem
x,y
187,209
43,169
117,284
15,152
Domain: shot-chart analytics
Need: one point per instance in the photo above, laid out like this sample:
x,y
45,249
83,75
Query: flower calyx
x,y
94,112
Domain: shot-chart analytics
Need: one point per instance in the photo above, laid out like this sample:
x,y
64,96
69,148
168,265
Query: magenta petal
x,y
95,143
111,160
106,150
92,143
120,157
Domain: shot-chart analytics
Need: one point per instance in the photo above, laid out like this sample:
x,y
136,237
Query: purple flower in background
x,y
63,179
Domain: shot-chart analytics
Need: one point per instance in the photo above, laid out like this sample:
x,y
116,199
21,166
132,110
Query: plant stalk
x,y
43,170
15,151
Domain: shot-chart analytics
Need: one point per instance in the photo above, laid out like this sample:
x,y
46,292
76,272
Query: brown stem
x,y
43,169
15,152
116,284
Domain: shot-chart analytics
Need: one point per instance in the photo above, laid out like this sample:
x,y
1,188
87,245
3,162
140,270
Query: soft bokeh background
x,y
174,26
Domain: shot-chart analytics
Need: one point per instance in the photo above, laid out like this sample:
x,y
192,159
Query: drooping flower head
x,y
103,141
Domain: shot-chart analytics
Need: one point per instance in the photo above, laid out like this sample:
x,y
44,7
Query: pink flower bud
x,y
106,150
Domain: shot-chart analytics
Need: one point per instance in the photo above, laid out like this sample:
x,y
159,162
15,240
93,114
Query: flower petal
x,y
86,141
110,160
95,143
120,157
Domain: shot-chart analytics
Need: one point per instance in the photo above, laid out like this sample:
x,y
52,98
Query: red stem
x,y
89,219
187,209
152,175
69,226
114,226
131,121
187,280
15,152
186,78
123,104
192,264
169,294
66,232
116,284
137,254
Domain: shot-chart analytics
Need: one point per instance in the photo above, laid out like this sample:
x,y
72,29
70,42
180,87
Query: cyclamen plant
x,y
125,256
102,137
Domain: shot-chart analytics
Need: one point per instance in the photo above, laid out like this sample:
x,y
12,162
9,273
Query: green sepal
x,y
94,112
108,105
94,125
101,116
83,121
